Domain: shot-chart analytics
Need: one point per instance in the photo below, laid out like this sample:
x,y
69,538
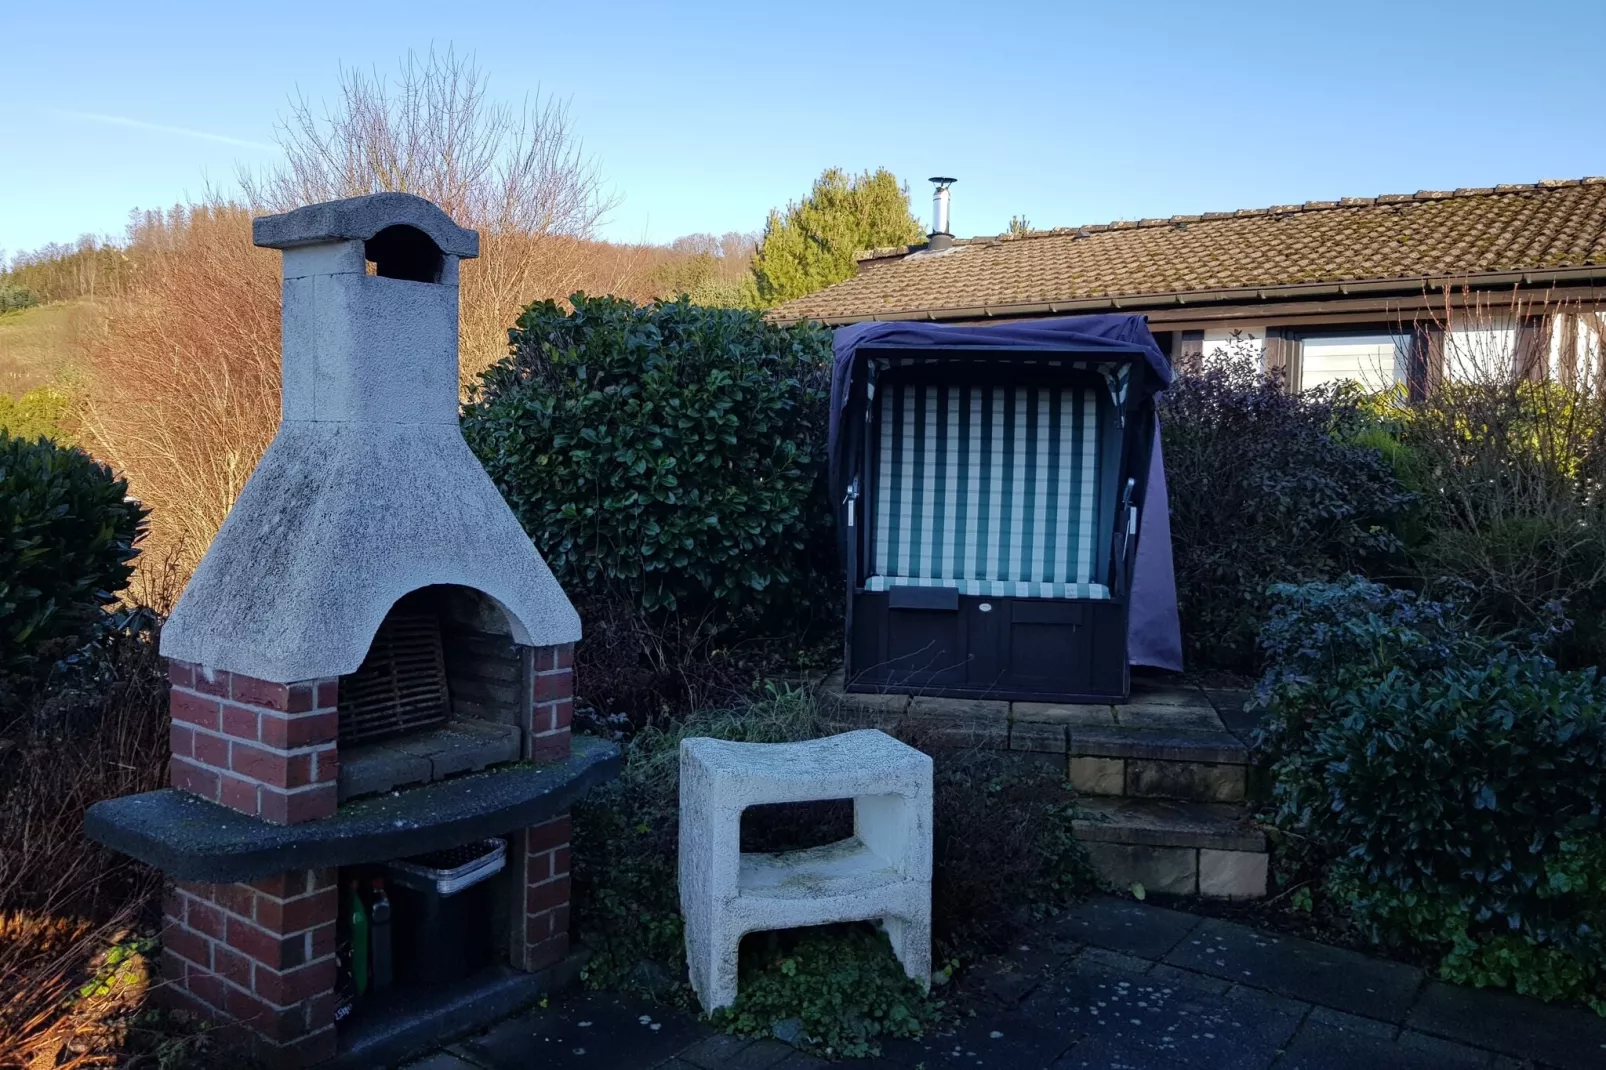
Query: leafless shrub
x,y
183,387
1508,455
90,740
183,391
72,963
517,174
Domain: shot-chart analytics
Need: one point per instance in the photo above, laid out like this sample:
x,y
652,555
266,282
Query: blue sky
x,y
705,115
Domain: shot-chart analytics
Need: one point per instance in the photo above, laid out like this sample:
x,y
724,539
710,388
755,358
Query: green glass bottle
x,y
357,918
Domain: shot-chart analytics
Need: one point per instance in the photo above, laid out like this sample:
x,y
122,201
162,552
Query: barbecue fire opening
x,y
440,692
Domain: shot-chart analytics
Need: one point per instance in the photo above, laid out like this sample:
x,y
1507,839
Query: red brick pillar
x,y
264,749
542,858
551,704
261,955
540,935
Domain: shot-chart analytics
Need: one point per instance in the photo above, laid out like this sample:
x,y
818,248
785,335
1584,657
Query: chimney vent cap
x,y
360,218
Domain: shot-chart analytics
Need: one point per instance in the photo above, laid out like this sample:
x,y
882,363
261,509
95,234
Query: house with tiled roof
x,y
1396,289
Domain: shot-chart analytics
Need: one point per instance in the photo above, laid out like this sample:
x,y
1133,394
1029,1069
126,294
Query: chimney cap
x,y
942,183
360,218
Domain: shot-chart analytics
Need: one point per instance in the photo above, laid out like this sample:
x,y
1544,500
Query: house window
x,y
1375,361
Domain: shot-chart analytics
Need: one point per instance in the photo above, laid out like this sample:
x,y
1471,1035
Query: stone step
x,y
1198,764
1168,742
1174,847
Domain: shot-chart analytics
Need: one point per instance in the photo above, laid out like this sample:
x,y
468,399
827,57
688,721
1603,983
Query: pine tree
x,y
813,243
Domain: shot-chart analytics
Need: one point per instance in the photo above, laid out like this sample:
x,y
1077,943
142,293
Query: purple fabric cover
x,y
1153,628
1154,634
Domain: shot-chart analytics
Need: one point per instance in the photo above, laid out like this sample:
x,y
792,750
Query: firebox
x,y
372,665
441,691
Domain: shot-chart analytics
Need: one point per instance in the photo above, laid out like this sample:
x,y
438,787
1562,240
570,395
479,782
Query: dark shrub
x,y
667,459
1453,784
67,544
1265,487
1321,638
1004,853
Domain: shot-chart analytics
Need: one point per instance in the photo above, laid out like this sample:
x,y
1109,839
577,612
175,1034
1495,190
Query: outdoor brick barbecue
x,y
371,663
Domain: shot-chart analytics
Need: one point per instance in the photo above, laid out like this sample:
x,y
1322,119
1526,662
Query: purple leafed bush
x,y
1266,487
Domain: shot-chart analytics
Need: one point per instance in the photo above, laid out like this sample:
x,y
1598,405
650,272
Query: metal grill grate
x,y
401,684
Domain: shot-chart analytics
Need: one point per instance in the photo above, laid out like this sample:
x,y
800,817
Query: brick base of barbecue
x,y
540,935
260,957
551,703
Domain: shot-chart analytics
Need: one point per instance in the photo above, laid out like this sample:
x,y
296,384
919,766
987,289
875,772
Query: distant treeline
x,y
92,267
707,267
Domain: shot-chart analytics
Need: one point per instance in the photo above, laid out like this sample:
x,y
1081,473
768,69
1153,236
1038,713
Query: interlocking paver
x,y
590,1030
1144,1021
725,1052
1121,925
441,1060
1329,976
1328,1045
1007,1042
1568,1037
1222,997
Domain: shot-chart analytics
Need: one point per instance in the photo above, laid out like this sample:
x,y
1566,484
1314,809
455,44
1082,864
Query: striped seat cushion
x,y
994,588
990,489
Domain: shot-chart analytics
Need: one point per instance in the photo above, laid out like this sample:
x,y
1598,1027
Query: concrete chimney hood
x,y
368,490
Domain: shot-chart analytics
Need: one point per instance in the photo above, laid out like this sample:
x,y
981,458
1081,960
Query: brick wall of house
x,y
261,955
264,749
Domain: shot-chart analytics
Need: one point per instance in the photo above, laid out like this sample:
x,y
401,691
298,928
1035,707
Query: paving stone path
x,y
1113,985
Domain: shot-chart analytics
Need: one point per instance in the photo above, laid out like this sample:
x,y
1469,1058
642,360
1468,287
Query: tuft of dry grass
x,y
69,988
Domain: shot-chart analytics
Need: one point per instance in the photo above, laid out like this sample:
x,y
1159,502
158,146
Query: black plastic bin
x,y
441,911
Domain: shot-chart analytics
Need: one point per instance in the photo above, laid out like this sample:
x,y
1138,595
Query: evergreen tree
x,y
813,244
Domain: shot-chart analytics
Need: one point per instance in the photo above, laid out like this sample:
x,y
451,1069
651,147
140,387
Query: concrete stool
x,y
882,872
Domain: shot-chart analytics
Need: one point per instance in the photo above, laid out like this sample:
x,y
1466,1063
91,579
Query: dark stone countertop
x,y
191,839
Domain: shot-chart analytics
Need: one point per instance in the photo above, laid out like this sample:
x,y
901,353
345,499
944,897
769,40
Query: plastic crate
x,y
441,911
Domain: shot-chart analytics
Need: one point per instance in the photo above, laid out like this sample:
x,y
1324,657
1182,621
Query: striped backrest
x,y
986,482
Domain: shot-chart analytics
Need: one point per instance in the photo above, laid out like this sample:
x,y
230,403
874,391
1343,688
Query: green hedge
x,y
1454,784
68,537
668,452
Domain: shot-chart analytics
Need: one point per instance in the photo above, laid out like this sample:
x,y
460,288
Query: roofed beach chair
x,y
991,506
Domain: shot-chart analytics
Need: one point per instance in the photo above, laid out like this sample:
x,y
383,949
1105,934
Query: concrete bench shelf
x,y
836,870
881,873
195,840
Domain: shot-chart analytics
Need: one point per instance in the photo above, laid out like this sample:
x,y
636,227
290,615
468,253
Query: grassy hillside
x,y
39,346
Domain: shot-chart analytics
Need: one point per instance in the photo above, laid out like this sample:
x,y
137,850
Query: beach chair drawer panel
x,y
1063,646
